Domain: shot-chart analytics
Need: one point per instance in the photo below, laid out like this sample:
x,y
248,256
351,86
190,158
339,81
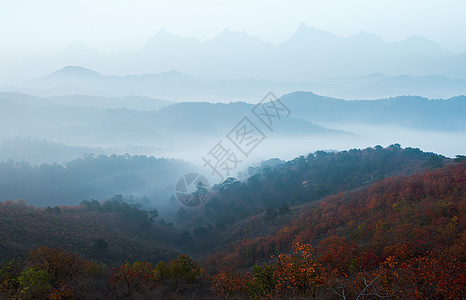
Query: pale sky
x,y
32,28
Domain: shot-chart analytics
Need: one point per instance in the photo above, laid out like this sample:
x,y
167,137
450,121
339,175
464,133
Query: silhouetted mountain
x,y
78,54
165,43
105,126
136,124
414,112
316,53
177,86
38,151
180,118
74,72
377,85
129,102
310,54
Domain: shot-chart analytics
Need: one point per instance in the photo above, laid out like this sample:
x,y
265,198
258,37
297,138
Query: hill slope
x,y
397,232
401,216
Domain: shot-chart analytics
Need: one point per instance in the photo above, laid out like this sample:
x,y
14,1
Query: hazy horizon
x,y
112,27
173,79
232,149
34,34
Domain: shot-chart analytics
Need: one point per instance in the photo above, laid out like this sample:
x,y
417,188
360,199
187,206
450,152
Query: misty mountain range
x,y
177,86
237,66
309,53
406,111
65,127
96,126
78,100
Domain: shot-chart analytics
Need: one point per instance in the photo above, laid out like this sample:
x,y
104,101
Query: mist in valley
x,y
66,149
217,149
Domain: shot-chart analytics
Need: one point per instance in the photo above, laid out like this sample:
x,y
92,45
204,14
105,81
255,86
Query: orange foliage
x,y
228,282
299,271
403,236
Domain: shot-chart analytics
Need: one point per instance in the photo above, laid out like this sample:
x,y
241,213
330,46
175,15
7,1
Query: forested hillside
x,y
303,228
112,232
407,111
403,237
98,177
309,178
232,150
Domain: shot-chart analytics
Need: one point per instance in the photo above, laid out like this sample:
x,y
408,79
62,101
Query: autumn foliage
x,y
399,238
135,276
403,237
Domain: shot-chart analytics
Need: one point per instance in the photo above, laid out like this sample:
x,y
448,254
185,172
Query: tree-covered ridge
x,y
53,273
97,177
309,178
403,237
407,111
111,232
306,227
270,191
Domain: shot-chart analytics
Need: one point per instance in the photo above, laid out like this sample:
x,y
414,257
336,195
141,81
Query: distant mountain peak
x,y
78,53
421,40
304,34
374,76
175,74
165,39
234,34
302,26
164,33
418,37
421,44
226,32
78,44
75,71
305,29
367,36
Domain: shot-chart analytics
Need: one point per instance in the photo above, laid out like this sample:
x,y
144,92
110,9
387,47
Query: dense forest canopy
x,y
300,228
